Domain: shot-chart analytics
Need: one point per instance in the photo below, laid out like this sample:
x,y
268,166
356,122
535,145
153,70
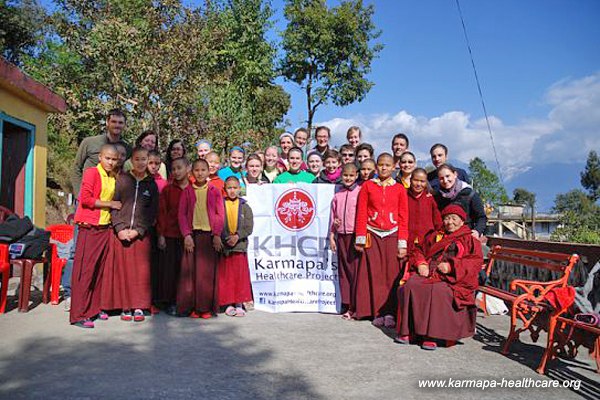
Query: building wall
x,y
16,107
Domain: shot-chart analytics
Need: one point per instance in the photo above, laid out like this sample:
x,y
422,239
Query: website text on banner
x,y
291,266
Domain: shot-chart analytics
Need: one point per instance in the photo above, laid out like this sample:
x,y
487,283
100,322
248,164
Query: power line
x,y
487,120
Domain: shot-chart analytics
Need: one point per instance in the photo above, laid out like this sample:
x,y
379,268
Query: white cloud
x,y
567,134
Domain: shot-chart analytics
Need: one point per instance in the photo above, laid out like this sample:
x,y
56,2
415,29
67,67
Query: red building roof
x,y
15,80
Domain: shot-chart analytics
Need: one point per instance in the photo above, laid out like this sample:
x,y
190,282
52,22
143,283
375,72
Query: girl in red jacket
x,y
201,220
382,234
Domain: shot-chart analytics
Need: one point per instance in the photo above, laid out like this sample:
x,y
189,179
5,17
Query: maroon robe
x,y
126,280
442,306
198,286
377,274
88,268
167,274
234,279
348,259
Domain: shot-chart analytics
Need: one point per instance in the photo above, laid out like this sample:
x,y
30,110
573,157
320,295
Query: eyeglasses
x,y
347,154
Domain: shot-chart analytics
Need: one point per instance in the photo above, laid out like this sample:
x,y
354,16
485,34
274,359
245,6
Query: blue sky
x,y
539,67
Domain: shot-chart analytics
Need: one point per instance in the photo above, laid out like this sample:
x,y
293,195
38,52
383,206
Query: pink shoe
x,y
429,345
402,339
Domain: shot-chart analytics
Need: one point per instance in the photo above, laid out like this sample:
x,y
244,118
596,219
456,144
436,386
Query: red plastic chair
x,y
4,263
5,271
59,233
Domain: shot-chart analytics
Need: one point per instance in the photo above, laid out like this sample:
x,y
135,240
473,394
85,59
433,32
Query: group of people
x,y
171,233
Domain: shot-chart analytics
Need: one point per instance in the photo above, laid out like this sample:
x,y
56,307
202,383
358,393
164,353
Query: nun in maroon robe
x,y
438,300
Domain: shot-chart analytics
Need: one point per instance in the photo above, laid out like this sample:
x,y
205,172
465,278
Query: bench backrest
x,y
556,262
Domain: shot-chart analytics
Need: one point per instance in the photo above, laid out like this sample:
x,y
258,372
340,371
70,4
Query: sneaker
x,y
86,323
205,315
402,339
429,345
67,304
138,315
103,316
126,316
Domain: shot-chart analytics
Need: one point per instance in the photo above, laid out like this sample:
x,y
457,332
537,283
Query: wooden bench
x,y
525,298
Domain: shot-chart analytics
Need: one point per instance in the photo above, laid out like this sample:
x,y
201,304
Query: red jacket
x,y
167,223
423,216
216,210
383,210
91,187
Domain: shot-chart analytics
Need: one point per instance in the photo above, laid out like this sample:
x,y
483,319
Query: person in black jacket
x,y
455,191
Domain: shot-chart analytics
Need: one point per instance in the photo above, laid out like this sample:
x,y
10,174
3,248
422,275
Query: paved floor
x,y
262,356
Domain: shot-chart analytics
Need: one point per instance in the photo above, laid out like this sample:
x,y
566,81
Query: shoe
x,y
67,304
231,311
389,322
205,315
402,339
103,316
347,316
154,310
450,343
378,322
429,345
194,314
138,315
86,323
240,312
172,310
126,316
249,306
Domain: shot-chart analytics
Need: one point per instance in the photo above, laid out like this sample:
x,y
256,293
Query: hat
x,y
455,209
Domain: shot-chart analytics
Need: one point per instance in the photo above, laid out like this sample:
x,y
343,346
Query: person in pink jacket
x,y
341,236
201,220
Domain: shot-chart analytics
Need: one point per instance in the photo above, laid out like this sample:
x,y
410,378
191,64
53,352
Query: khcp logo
x,y
295,209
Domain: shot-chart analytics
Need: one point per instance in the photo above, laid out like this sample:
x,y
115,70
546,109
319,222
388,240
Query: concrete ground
x,y
261,356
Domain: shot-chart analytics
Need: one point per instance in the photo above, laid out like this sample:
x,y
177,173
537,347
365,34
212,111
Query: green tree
x,y
579,218
486,183
22,24
183,72
328,51
590,177
528,199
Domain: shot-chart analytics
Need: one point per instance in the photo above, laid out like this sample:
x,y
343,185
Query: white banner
x,y
291,266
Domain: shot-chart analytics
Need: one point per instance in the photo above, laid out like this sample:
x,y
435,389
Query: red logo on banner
x,y
295,209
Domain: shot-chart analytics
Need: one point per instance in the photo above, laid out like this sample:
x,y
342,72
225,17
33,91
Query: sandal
x,y
231,311
85,323
348,316
429,345
402,339
126,316
240,312
138,315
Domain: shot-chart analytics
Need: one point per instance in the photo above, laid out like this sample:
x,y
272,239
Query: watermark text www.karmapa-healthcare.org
x,y
504,383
